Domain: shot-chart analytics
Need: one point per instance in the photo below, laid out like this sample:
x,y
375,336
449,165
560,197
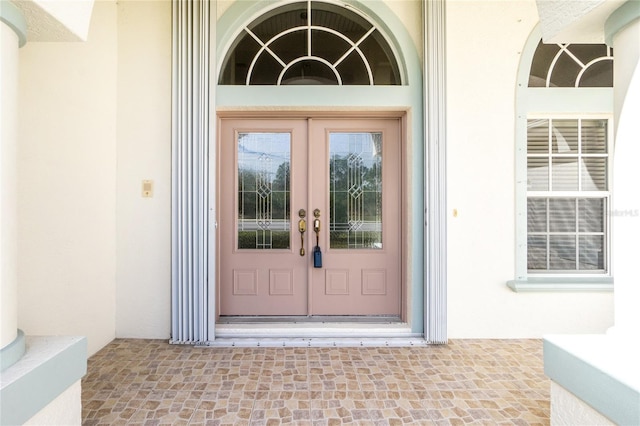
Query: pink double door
x,y
291,187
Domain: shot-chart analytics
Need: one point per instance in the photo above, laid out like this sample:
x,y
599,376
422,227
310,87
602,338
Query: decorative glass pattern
x,y
310,43
264,164
567,195
355,194
572,65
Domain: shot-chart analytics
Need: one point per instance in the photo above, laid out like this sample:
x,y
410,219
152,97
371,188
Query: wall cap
x,y
50,365
601,370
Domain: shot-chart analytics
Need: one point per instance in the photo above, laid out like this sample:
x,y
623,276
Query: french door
x,y
310,217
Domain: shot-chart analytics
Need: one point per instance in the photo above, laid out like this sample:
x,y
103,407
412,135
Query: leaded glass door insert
x,y
264,164
355,194
276,174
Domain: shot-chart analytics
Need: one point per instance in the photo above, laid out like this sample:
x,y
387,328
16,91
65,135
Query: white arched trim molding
x,y
435,196
191,130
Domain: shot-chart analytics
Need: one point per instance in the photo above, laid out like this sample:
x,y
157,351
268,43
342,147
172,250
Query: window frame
x,y
577,194
556,103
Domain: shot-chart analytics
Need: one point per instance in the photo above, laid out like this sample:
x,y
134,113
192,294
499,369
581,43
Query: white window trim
x,y
556,103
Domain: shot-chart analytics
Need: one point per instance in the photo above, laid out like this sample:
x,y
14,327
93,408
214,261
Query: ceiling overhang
x,y
56,20
575,21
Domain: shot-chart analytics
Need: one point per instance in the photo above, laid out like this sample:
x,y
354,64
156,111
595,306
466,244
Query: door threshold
x,y
304,319
328,328
321,342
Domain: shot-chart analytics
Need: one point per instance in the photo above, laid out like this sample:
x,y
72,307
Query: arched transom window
x,y
572,65
310,43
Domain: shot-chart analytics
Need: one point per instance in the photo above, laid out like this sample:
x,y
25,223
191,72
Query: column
x,y
623,33
12,36
28,395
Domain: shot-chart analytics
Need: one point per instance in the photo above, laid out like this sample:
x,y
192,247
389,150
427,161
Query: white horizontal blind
x,y
190,172
567,197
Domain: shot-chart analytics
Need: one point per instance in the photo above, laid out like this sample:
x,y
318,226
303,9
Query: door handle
x,y
317,254
316,225
302,227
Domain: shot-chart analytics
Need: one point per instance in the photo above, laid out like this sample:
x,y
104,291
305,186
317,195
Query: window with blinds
x,y
567,195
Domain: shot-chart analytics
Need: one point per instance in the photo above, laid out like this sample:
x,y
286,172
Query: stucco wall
x,y
67,184
567,409
484,42
144,152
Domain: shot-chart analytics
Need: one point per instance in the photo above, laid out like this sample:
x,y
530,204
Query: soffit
x,y
56,20
575,21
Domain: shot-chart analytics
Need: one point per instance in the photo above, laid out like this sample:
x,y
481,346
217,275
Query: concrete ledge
x,y
600,370
49,367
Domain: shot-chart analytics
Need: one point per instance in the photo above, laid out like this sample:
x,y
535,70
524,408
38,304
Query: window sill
x,y
559,284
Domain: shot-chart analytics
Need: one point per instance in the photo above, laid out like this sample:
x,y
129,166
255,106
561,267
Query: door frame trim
x,y
403,115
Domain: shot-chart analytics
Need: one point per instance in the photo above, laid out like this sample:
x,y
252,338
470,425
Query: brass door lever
x,y
302,227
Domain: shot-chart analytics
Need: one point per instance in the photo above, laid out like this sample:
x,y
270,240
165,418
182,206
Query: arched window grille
x,y
572,65
310,43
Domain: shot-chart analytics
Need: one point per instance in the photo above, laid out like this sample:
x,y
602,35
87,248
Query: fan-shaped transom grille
x,y
311,42
572,65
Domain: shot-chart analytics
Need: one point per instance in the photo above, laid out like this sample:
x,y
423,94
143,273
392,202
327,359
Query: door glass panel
x,y
355,193
264,164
